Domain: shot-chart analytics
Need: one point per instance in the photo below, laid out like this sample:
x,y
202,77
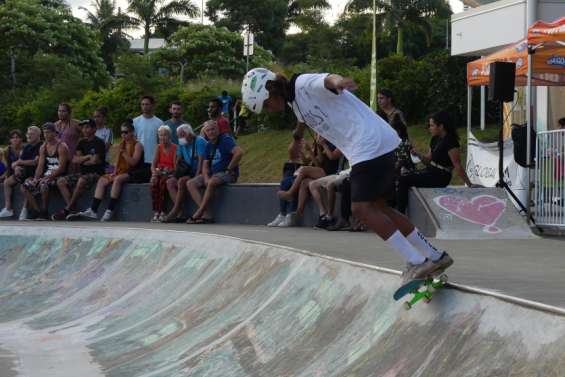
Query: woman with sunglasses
x,y
130,157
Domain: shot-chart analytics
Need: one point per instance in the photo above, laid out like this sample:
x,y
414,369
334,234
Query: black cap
x,y
49,126
89,122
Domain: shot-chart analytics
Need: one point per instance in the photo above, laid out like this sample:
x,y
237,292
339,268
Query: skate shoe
x,y
418,271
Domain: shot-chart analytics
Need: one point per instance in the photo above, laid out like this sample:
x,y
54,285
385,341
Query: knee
x,y
61,182
313,186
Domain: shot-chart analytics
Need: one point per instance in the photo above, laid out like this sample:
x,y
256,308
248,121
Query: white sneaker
x,y
89,214
6,213
277,220
107,215
287,221
23,214
155,218
418,271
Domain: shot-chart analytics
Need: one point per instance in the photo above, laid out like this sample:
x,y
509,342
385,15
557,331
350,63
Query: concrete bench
x,y
241,203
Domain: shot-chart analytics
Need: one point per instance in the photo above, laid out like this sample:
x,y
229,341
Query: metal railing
x,y
549,192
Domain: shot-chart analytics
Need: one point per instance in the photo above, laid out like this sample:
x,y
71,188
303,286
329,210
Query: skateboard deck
x,y
413,287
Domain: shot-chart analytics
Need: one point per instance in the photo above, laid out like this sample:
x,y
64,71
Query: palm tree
x,y
398,15
154,14
109,26
306,14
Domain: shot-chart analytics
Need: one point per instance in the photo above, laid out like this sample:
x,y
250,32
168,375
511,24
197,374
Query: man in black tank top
x,y
53,161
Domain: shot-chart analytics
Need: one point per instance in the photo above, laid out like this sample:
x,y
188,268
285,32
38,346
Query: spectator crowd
x,y
71,157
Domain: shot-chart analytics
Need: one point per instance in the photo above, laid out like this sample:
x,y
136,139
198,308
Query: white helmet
x,y
253,88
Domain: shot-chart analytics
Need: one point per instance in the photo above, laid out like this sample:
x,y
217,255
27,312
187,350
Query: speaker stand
x,y
501,182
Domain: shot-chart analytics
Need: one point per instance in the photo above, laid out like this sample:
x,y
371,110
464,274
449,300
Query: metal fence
x,y
549,192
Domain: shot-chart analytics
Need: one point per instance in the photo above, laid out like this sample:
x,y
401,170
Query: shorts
x,y
223,176
24,173
335,179
36,188
140,174
373,179
90,178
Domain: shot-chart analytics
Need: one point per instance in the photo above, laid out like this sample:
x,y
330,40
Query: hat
x,y
89,122
49,126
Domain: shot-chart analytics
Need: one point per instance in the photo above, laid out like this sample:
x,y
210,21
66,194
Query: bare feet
x,y
285,195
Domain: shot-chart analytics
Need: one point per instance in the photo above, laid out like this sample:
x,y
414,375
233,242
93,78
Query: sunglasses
x,y
124,132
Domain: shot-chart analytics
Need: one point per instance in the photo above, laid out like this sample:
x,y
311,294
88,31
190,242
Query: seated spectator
x,y
24,168
52,164
215,114
329,183
68,131
12,153
162,168
90,156
2,166
130,158
190,156
442,158
325,160
104,133
221,166
296,158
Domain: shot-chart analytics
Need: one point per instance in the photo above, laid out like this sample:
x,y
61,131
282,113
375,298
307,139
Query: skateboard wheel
x,y
407,305
443,279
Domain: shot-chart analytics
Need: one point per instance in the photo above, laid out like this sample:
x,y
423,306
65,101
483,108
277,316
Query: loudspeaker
x,y
501,81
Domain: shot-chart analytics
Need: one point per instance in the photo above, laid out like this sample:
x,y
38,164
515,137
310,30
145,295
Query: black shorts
x,y
373,179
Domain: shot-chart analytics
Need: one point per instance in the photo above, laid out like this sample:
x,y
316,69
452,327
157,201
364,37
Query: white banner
x,y
482,166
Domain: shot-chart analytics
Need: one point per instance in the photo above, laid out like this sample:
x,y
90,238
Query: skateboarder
x,y
324,102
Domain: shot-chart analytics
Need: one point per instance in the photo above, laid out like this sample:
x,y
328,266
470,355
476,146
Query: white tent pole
x,y
529,128
483,107
469,107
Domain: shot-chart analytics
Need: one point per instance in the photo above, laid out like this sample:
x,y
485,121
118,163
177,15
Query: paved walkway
x,y
530,269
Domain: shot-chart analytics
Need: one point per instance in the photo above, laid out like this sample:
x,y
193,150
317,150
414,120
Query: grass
x,y
265,153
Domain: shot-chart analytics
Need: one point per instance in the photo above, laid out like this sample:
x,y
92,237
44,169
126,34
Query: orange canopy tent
x,y
546,44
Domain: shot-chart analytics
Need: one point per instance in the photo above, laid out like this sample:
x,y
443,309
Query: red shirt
x,y
167,160
223,125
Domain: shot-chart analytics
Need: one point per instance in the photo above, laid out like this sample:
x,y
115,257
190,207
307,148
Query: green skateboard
x,y
431,284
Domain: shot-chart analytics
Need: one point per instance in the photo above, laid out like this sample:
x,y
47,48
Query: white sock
x,y
423,245
399,243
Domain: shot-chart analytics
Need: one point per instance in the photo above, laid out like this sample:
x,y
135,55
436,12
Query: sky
x,y
337,8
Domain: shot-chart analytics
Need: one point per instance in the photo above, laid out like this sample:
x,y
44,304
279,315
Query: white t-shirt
x,y
343,120
146,132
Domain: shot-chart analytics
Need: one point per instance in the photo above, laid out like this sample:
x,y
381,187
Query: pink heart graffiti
x,y
482,209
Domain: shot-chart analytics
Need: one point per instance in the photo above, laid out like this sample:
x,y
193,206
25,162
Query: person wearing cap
x,y
190,155
325,103
90,156
52,164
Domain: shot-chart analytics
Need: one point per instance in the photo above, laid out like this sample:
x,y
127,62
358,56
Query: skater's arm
x,y
338,84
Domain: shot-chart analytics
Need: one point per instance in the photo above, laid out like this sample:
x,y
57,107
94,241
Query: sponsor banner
x,y
482,164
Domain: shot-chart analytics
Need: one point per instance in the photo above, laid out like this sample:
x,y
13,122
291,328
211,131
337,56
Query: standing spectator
x,y
68,130
387,111
12,153
162,168
190,156
442,158
146,126
102,131
176,120
221,166
53,162
90,156
215,114
130,157
226,103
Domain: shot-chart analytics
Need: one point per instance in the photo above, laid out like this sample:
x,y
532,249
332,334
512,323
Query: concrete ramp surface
x,y
107,302
467,213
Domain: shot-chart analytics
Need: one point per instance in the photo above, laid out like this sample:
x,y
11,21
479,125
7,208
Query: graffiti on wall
x,y
484,210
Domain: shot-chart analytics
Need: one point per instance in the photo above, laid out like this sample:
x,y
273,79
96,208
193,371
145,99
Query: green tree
x,y
399,15
200,50
29,28
109,26
306,14
155,14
